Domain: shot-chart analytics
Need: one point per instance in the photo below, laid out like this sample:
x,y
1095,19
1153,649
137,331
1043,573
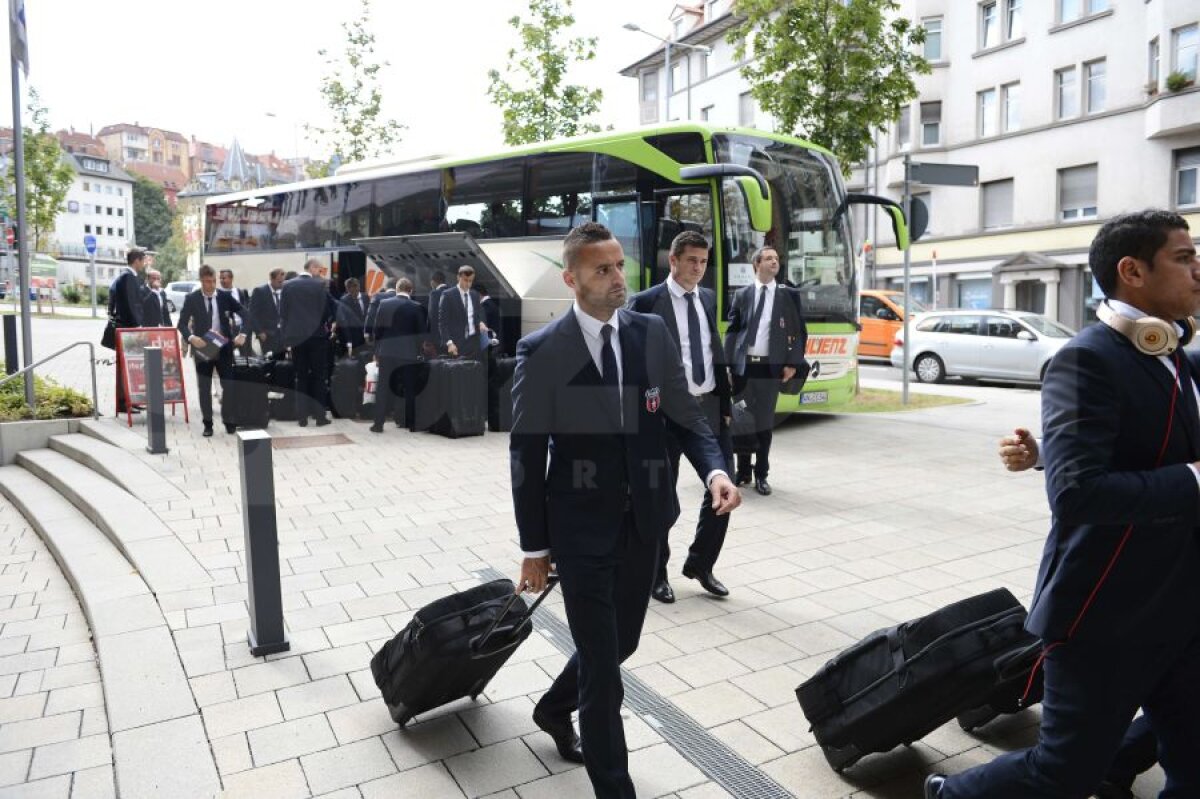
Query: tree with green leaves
x,y
352,93
151,214
48,177
833,71
536,104
171,258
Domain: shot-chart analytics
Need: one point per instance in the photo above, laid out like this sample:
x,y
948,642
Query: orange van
x,y
881,315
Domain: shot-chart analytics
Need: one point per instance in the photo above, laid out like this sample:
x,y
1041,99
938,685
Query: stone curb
x,y
117,465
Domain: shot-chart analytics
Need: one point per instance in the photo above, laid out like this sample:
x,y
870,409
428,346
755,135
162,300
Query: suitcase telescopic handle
x,y
479,642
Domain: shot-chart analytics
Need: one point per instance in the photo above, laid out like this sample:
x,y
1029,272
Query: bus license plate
x,y
814,397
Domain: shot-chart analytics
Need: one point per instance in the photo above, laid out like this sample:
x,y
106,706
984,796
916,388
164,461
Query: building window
x,y
1095,76
989,26
931,124
677,78
1011,107
745,110
933,38
110,210
110,232
120,212
120,191
1067,91
703,57
86,186
1152,67
706,113
986,106
975,294
1014,23
1187,176
650,96
712,10
997,204
87,228
1069,10
1185,47
108,189
121,232
1077,192
904,128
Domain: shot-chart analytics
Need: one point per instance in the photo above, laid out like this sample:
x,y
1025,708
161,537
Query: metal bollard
x,y
266,635
156,423
11,356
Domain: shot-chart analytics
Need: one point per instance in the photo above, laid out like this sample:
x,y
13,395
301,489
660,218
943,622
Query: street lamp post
x,y
700,48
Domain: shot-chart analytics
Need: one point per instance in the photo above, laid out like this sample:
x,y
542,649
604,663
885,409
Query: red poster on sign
x,y
131,360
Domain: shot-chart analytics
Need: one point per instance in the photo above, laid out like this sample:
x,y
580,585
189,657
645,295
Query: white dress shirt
x,y
680,305
215,322
762,341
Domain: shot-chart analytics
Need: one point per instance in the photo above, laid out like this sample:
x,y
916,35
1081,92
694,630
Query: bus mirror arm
x,y
702,171
894,209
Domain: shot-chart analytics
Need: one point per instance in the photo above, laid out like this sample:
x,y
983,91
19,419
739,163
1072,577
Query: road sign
x,y
944,174
89,244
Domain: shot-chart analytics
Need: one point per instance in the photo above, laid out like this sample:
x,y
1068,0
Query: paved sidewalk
x,y
873,521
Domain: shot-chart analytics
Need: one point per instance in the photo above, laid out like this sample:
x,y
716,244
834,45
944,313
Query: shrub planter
x,y
31,434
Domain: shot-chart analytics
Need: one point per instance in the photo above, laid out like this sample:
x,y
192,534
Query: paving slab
x,y
171,758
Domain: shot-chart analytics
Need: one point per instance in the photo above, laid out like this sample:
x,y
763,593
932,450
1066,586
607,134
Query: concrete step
x,y
160,557
146,693
118,465
113,431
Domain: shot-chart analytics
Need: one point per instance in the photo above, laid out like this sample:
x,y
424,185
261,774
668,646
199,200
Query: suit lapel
x,y
633,366
664,307
580,366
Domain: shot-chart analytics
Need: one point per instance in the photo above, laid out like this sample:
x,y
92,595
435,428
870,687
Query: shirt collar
x,y
770,286
404,294
678,290
1131,312
592,326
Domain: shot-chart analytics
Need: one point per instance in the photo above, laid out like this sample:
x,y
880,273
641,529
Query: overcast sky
x,y
213,69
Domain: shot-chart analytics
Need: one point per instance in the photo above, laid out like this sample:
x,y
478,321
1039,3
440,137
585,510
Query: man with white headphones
x,y
1117,596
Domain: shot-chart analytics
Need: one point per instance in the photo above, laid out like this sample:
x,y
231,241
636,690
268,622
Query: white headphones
x,y
1150,335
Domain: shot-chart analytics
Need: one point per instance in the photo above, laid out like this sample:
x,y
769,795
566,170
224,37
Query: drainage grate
x,y
303,442
702,749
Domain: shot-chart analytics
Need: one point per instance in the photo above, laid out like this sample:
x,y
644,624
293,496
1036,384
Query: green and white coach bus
x,y
506,214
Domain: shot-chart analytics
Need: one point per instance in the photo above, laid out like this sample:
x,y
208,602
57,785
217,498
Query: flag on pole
x,y
18,36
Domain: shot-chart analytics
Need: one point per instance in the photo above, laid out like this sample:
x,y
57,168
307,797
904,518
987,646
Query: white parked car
x,y
178,291
1004,345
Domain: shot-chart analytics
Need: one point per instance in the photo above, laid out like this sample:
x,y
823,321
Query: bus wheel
x,y
929,368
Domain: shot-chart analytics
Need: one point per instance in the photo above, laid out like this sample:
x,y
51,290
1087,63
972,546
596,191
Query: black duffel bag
x,y
898,685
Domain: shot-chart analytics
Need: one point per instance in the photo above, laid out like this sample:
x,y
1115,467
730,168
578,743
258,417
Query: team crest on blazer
x,y
652,400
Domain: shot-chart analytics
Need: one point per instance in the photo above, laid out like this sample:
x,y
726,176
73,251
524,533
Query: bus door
x,y
620,215
677,210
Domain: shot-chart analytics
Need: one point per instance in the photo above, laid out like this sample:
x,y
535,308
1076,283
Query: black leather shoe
x,y
322,421
376,428
662,592
709,583
762,487
303,422
741,480
230,429
208,431
563,732
933,785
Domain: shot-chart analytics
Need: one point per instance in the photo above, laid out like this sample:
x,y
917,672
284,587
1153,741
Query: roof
x,y
236,167
168,177
78,141
1024,261
698,35
123,127
114,172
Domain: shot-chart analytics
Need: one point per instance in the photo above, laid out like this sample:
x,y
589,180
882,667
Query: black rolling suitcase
x,y
454,401
244,400
282,395
1013,691
500,380
741,430
899,684
346,387
452,648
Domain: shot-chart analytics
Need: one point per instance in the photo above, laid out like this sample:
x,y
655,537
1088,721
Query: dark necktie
x,y
467,313
276,295
752,334
208,307
1188,399
608,371
695,343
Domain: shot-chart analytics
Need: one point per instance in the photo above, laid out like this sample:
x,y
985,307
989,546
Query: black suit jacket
x,y
264,318
491,314
194,319
369,321
351,319
657,300
1105,412
125,299
400,329
452,317
574,456
155,312
788,333
432,309
306,309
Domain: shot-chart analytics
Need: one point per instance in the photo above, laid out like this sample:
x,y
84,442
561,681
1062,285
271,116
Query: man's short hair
x,y
438,277
404,286
136,254
688,238
481,288
153,273
275,273
1138,235
390,282
311,262
583,236
466,269
291,273
207,271
758,254
225,272
352,283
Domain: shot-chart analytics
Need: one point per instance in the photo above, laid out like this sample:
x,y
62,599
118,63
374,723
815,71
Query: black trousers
x,y
710,529
606,598
311,358
1138,753
397,377
761,392
223,366
1092,693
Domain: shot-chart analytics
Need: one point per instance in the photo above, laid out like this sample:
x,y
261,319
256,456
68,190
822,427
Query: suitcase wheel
x,y
972,720
843,758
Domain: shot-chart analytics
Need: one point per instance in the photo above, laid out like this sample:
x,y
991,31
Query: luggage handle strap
x,y
479,642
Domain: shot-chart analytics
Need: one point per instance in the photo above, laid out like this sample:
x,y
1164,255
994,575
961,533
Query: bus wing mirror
x,y
753,185
899,226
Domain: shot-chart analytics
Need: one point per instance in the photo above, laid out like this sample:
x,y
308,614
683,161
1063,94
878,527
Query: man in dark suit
x,y
400,327
460,317
306,311
437,285
1117,595
372,315
240,322
264,313
352,317
125,308
490,308
155,311
207,309
764,346
593,394
690,312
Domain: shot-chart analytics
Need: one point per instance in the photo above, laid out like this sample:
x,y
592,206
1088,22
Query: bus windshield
x,y
812,239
